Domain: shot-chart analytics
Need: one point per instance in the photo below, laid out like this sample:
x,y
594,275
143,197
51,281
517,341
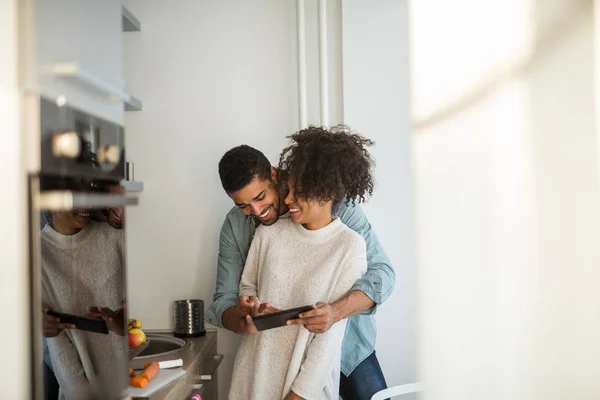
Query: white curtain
x,y
507,199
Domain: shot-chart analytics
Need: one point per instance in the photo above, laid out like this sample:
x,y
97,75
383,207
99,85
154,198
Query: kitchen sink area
x,y
198,374
162,345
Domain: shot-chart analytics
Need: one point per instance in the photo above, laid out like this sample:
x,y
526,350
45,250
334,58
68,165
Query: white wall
x,y
212,75
14,289
597,75
376,94
507,200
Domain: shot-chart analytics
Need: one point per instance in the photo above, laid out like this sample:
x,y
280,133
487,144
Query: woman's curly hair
x,y
328,164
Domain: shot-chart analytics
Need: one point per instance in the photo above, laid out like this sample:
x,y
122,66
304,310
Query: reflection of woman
x,y
305,258
82,266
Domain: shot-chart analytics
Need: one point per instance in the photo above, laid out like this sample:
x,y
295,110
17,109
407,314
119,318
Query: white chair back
x,y
397,391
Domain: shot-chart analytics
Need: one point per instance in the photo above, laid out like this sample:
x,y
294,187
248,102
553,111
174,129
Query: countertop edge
x,y
191,356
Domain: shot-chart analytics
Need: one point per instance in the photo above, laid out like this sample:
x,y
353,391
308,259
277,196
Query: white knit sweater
x,y
290,266
79,271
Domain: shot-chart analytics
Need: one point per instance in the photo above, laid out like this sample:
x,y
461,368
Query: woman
x,y
82,274
307,257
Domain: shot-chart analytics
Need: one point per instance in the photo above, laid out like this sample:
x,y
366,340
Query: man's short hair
x,y
240,165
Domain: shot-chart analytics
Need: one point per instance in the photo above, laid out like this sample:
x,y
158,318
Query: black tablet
x,y
279,318
89,324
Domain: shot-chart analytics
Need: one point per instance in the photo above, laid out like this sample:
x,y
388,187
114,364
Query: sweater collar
x,y
66,241
320,235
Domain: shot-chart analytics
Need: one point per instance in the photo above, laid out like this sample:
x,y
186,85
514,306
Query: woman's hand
x,y
247,304
115,320
250,305
317,320
52,327
266,308
256,310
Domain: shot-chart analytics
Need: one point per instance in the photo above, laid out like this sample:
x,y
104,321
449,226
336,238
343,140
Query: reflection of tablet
x,y
279,318
83,323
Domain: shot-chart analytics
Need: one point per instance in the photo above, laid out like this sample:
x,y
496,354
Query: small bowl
x,y
134,351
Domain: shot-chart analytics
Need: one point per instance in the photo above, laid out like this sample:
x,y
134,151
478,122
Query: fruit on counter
x,y
150,370
131,373
134,323
137,337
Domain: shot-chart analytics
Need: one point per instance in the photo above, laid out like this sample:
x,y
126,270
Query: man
x,y
251,182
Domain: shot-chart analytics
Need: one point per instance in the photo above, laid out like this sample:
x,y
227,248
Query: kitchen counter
x,y
200,362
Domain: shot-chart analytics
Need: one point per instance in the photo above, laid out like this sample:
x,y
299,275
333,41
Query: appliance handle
x,y
199,387
218,359
65,200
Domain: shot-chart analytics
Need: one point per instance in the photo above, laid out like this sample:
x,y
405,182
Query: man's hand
x,y
234,320
52,327
317,320
293,396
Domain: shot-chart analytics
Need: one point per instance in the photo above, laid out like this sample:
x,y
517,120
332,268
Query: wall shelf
x,y
133,104
130,22
133,186
72,70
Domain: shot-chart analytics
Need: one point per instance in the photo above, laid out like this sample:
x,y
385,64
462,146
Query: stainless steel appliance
x,y
65,132
78,256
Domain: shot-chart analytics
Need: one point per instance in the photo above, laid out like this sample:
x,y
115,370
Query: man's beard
x,y
275,207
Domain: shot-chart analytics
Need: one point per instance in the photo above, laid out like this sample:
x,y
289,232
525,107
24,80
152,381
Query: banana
x,y
134,323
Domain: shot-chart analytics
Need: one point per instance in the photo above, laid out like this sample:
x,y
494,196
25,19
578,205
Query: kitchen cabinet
x,y
207,374
201,364
78,52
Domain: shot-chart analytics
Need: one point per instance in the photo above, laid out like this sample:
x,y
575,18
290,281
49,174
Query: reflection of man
x,y
82,274
251,182
114,215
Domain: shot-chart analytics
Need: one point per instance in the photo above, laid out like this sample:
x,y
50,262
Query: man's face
x,y
259,199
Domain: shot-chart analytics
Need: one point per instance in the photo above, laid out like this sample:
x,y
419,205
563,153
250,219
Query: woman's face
x,y
306,212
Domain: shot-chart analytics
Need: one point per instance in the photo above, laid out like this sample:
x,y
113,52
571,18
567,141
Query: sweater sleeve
x,y
325,348
249,281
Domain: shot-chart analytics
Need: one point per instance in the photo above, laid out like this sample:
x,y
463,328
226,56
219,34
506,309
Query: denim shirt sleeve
x,y
380,279
229,272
